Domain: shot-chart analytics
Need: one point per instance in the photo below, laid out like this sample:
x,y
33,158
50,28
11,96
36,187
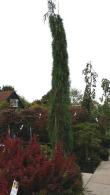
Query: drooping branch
x,y
51,9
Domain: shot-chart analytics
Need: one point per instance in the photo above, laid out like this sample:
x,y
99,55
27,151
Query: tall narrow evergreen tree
x,y
60,119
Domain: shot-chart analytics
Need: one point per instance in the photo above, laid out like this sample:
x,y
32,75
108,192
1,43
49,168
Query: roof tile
x,y
4,95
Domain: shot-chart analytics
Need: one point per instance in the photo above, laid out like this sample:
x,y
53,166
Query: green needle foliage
x,y
60,119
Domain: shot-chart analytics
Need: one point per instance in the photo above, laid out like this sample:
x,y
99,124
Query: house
x,y
12,98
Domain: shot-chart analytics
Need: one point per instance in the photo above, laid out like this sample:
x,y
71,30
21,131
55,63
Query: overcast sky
x,y
25,43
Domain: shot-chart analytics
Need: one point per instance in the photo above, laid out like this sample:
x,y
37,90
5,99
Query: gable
x,y
12,98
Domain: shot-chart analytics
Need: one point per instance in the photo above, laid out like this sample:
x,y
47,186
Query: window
x,y
14,103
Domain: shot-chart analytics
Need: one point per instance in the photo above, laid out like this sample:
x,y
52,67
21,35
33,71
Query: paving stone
x,y
97,189
99,182
104,165
101,178
86,177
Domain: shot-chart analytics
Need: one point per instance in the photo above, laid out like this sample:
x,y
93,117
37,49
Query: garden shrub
x,y
79,115
105,145
106,141
87,143
35,171
34,118
104,154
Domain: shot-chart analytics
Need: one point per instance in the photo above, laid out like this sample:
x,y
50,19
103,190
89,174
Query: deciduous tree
x,y
89,93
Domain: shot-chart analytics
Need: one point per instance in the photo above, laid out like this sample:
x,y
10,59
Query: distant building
x,y
12,98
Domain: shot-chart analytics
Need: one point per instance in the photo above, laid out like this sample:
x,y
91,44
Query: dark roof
x,y
4,95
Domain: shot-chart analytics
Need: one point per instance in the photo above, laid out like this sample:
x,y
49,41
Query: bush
x,y
104,154
35,171
4,104
105,145
34,118
106,141
79,115
87,144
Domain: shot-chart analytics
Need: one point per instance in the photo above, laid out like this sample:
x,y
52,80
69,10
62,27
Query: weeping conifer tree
x,y
60,129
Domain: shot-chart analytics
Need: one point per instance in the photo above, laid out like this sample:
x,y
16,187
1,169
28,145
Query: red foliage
x,y
79,114
32,169
3,186
36,118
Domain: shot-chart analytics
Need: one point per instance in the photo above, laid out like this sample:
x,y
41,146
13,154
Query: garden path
x,y
98,183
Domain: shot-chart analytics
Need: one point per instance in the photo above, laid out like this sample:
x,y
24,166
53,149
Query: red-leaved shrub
x,y
35,171
79,114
